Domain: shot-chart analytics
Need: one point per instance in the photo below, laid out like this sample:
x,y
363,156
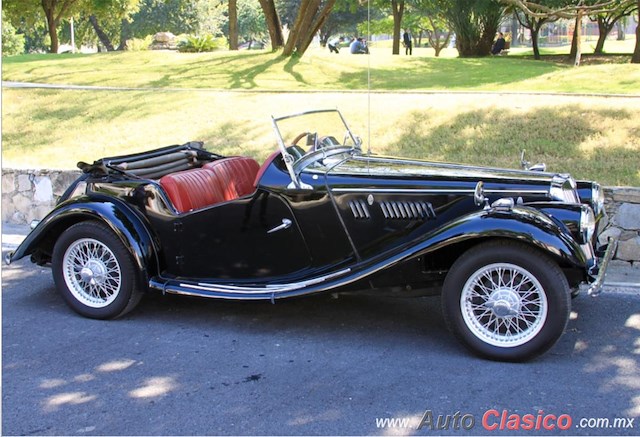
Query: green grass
x,y
226,99
592,138
320,70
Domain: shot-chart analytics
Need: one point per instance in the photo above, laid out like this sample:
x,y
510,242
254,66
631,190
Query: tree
x,y
636,53
345,18
577,11
12,42
534,24
607,20
251,24
273,23
108,20
54,12
175,16
309,18
397,9
475,23
233,25
429,18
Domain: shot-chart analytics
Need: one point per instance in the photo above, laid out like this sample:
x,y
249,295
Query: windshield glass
x,y
314,130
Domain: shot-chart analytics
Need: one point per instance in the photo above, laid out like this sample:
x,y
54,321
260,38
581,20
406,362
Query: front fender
x,y
520,223
121,218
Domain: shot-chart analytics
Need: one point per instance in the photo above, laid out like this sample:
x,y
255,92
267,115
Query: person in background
x,y
408,43
499,45
358,47
333,45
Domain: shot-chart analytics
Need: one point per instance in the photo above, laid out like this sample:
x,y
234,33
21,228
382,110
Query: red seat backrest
x,y
265,165
236,175
192,189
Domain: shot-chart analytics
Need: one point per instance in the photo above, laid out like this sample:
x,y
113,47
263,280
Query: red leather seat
x,y
218,181
265,165
235,175
192,189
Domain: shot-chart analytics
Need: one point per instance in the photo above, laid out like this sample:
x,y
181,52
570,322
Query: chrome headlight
x,y
587,224
597,198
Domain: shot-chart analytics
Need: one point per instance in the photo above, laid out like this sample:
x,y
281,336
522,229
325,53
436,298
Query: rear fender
x,y
123,221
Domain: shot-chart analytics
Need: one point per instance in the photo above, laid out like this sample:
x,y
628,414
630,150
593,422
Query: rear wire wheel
x,y
94,272
506,301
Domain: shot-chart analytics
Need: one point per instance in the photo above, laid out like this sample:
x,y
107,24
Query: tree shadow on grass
x,y
450,73
570,139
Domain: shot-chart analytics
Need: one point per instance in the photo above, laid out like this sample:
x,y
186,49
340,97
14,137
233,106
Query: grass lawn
x,y
226,99
320,70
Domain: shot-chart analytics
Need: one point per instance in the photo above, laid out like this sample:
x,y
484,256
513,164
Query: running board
x,y
230,291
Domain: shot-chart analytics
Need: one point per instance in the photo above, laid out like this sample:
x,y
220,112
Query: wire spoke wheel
x,y
504,305
506,301
92,272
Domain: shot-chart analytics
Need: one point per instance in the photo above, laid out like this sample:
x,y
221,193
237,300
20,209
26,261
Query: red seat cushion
x,y
236,175
192,189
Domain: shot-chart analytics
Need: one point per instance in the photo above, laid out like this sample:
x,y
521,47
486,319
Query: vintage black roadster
x,y
506,249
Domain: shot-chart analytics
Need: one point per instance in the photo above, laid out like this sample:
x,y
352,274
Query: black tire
x,y
94,272
515,319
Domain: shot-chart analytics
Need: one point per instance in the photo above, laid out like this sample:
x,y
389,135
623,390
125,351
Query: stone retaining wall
x,y
31,194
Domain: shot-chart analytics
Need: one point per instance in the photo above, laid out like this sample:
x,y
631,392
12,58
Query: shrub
x,y
201,43
139,44
12,42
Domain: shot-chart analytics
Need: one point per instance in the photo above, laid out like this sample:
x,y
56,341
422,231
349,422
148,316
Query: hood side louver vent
x,y
359,209
407,210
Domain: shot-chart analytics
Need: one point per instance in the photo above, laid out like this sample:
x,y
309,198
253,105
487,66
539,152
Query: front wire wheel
x,y
506,301
94,271
504,305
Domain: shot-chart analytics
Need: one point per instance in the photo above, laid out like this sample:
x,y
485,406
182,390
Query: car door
x,y
252,238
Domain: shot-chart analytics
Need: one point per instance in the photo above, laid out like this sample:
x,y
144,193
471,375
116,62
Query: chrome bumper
x,y
594,288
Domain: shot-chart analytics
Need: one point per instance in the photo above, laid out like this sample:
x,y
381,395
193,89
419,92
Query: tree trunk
x,y
103,37
603,31
578,35
125,34
53,19
620,25
635,59
306,11
515,25
53,30
273,23
233,25
305,38
397,6
535,33
574,41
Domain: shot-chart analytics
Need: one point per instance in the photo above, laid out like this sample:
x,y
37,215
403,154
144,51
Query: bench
x,y
215,182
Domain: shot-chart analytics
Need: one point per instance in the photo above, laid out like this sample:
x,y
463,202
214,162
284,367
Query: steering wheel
x,y
299,137
311,136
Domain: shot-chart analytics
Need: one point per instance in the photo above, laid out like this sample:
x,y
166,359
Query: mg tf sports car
x,y
506,249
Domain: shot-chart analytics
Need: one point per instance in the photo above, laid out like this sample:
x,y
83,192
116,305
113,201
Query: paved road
x,y
312,366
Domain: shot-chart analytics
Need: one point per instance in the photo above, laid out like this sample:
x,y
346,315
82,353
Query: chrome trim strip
x,y
433,191
400,190
541,192
436,164
271,288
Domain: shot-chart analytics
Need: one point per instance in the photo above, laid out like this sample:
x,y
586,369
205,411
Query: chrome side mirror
x,y
536,167
478,196
523,162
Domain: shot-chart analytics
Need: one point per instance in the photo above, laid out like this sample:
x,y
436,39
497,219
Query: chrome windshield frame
x,y
289,159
